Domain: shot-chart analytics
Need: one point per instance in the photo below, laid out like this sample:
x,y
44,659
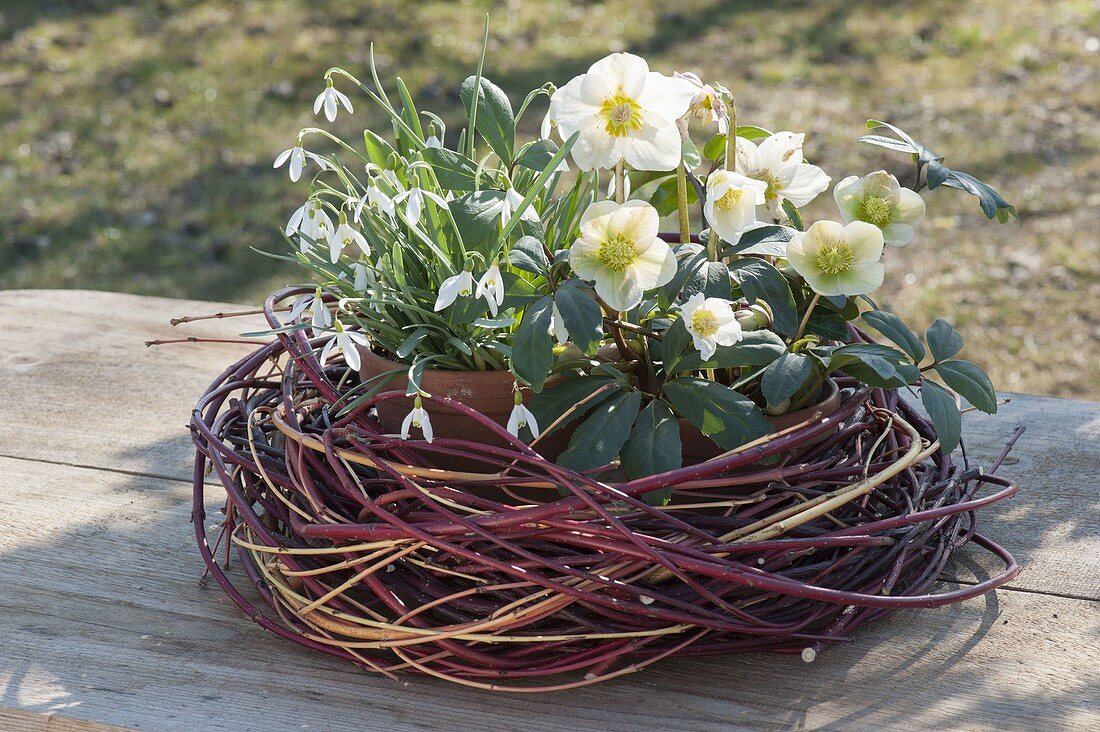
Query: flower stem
x,y
682,202
806,317
620,183
731,139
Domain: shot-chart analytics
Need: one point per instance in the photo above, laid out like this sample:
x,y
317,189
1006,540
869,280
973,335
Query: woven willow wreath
x,y
532,577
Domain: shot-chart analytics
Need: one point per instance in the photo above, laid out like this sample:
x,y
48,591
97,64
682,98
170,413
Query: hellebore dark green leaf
x,y
875,365
757,348
992,203
666,198
725,416
686,267
943,340
944,414
452,170
654,442
551,403
601,436
971,382
897,331
532,349
675,342
770,240
760,280
529,255
536,155
582,316
712,279
715,147
477,215
495,120
784,376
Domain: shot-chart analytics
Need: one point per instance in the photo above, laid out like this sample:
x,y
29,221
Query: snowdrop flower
x,y
624,112
778,162
619,249
328,100
491,287
433,141
297,157
711,323
835,259
731,202
879,199
706,105
557,326
361,277
460,284
296,219
344,236
414,201
522,417
346,341
626,187
320,317
418,417
511,202
311,223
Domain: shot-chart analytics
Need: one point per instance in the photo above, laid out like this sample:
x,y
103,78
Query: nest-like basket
x,y
531,576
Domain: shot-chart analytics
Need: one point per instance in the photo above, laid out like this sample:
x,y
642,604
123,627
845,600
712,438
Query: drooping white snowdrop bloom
x,y
328,100
522,417
557,326
624,112
342,237
879,199
297,157
417,417
345,341
313,226
837,259
706,105
459,284
414,201
296,219
360,277
491,287
777,161
319,315
433,141
619,249
711,323
731,202
511,203
611,187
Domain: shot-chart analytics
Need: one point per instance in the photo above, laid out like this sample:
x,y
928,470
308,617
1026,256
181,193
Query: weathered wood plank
x,y
15,720
102,620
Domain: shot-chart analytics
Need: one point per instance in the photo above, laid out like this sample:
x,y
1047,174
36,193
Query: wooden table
x,y
103,622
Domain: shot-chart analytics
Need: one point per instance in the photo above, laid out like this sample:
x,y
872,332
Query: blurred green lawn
x,y
138,136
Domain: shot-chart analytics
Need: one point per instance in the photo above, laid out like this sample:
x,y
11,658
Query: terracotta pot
x,y
489,392
698,447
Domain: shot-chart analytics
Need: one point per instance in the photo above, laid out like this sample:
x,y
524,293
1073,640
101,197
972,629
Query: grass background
x,y
137,137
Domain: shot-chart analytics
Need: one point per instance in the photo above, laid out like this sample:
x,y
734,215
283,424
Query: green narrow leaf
x,y
971,382
378,150
760,280
944,414
653,447
943,340
581,315
784,376
601,436
494,118
409,344
532,349
727,417
897,331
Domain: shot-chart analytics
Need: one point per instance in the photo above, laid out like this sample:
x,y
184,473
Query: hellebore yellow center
x,y
622,115
835,258
875,210
617,252
704,323
730,199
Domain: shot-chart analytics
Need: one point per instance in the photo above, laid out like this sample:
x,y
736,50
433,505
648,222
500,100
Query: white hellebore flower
x,y
319,315
344,236
731,202
711,323
879,199
619,248
511,203
491,287
460,284
778,162
414,198
623,112
345,341
328,99
522,417
706,105
837,260
418,417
